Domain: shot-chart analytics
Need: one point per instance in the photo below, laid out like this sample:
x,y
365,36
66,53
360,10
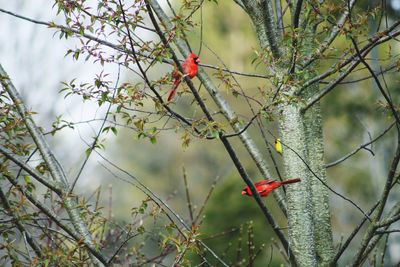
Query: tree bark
x,y
299,199
319,193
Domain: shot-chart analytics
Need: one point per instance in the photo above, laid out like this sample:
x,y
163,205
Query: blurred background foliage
x,y
351,112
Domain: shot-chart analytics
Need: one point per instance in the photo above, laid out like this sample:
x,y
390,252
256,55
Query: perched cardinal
x,y
265,187
190,66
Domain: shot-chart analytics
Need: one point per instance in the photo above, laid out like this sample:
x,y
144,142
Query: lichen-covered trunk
x,y
312,121
310,231
299,199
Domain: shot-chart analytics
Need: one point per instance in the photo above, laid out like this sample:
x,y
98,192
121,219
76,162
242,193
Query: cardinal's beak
x,y
198,60
244,192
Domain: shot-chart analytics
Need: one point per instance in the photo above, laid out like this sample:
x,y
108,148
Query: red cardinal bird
x,y
190,66
265,187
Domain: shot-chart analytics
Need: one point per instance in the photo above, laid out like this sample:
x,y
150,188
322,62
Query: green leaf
x,y
153,140
27,179
88,152
76,55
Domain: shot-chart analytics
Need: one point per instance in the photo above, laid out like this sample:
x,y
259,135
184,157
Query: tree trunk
x,y
312,120
299,199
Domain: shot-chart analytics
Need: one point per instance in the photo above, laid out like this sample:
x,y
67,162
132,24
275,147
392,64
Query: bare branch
x,y
336,162
189,202
297,13
279,17
390,219
387,232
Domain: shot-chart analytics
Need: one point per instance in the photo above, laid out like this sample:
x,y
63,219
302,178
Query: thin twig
x,y
378,83
54,218
324,183
18,222
189,202
206,199
162,204
122,49
94,144
55,187
336,162
333,34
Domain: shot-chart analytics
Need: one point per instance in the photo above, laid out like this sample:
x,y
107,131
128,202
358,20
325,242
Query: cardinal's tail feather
x,y
171,94
291,181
